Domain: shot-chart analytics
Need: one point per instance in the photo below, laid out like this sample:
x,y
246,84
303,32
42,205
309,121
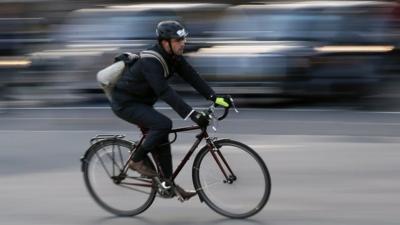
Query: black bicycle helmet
x,y
170,29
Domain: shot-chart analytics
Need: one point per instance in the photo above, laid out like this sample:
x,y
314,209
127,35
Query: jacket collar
x,y
158,48
167,57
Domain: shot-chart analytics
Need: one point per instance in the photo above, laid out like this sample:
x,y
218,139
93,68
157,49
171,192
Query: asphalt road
x,y
327,167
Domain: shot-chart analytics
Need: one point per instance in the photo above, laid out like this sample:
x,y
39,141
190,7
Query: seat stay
x,y
126,166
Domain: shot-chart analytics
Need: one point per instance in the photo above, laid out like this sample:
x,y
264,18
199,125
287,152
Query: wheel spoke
x,y
232,197
121,157
130,186
104,166
124,194
112,158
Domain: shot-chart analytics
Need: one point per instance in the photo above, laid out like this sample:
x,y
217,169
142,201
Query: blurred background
x,y
261,52
316,82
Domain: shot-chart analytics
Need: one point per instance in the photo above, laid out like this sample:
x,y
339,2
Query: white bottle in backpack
x,y
109,76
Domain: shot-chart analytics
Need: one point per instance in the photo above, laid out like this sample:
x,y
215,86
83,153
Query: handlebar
x,y
224,115
210,112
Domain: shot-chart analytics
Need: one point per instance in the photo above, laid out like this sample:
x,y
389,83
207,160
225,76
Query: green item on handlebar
x,y
221,101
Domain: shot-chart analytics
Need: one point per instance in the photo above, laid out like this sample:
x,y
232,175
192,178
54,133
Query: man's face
x,y
177,45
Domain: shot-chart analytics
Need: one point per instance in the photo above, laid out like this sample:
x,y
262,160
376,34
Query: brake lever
x,y
215,124
213,117
233,105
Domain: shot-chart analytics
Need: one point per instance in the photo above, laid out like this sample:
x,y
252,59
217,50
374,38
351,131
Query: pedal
x,y
163,189
179,196
181,199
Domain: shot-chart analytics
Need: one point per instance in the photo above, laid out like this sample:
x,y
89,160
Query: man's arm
x,y
154,74
186,71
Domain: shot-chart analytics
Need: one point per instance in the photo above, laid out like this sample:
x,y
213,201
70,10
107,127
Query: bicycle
x,y
229,176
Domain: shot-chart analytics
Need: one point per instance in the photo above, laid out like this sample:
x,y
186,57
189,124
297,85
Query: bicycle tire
x,y
209,180
90,167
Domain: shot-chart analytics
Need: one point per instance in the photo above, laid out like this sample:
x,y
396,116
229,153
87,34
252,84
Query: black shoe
x,y
142,168
186,195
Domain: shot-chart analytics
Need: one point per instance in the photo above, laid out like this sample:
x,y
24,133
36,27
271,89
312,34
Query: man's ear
x,y
165,45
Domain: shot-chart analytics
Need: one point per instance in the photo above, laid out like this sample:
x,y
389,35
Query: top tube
x,y
183,129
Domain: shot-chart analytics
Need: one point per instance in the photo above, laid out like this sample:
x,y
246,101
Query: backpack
x,y
108,77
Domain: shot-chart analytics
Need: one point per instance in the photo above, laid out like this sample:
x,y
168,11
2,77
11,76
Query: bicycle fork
x,y
218,157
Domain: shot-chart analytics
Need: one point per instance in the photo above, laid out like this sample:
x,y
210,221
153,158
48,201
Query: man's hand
x,y
199,118
223,101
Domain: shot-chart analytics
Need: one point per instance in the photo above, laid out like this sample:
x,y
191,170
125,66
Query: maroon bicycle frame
x,y
202,135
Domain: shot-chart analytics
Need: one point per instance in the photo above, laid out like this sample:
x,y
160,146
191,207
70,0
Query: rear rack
x,y
106,136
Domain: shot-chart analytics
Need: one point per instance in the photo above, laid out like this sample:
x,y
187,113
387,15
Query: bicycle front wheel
x,y
233,180
123,194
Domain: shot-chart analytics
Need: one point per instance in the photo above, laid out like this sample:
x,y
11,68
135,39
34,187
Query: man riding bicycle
x,y
144,83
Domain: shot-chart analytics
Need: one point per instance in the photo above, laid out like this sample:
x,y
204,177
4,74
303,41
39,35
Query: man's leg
x,y
157,126
163,153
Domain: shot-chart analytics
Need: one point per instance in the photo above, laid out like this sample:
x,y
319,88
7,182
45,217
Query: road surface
x,y
328,166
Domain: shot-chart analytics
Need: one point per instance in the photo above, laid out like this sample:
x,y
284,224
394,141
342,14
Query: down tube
x,y
184,160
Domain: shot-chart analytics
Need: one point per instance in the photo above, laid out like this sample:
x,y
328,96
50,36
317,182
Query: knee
x,y
166,124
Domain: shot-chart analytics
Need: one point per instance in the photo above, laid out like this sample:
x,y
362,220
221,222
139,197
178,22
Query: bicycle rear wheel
x,y
126,195
244,190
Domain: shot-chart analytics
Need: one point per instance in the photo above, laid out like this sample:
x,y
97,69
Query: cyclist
x,y
144,83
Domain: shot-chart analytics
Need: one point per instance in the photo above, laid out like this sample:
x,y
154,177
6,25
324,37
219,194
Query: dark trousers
x,y
156,127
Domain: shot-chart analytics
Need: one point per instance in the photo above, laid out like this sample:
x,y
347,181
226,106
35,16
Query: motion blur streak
x,y
14,62
383,48
262,52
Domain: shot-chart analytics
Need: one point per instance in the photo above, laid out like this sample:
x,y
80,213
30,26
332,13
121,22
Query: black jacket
x,y
144,82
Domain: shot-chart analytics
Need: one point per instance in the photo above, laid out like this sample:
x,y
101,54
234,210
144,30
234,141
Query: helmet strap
x,y
170,48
